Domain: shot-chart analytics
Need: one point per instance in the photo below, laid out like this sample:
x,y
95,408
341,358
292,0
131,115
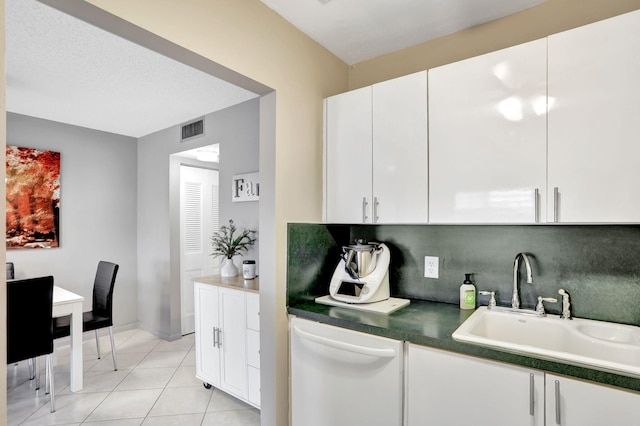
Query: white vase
x,y
229,269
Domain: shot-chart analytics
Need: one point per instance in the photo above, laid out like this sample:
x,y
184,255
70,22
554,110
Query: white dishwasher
x,y
341,377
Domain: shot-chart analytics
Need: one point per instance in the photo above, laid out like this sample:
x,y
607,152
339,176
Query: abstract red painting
x,y
33,198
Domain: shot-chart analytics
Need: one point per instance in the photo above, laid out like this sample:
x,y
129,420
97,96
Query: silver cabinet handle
x,y
216,337
536,206
557,402
531,391
364,209
375,209
556,199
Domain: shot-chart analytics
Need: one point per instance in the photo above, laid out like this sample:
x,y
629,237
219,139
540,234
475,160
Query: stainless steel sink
x,y
595,344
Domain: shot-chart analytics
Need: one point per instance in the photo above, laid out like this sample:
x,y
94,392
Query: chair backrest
x,y
29,322
103,289
10,271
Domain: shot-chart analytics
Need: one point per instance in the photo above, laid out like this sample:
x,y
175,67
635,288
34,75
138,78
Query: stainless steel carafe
x,y
360,258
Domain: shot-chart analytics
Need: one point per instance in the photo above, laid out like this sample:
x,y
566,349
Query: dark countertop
x,y
432,324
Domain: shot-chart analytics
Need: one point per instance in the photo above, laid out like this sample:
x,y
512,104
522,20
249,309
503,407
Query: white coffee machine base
x,y
388,306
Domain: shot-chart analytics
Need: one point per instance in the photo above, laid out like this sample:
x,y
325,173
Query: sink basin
x,y
610,332
594,344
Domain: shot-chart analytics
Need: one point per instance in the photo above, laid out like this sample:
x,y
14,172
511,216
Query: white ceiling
x,y
63,69
358,30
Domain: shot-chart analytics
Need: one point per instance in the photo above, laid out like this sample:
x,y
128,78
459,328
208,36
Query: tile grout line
x,y
167,384
114,388
137,366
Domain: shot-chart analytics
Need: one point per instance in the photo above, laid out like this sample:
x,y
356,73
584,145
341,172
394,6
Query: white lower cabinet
x,y
445,388
573,402
226,350
253,347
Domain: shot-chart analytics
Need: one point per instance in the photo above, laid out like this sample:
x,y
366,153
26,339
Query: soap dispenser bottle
x,y
467,294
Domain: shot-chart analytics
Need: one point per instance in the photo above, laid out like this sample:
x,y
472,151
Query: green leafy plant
x,y
225,243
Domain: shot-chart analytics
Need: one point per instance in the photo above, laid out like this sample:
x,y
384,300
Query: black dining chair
x,y
101,314
10,276
10,271
30,325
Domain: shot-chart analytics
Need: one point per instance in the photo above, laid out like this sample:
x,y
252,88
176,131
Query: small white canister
x,y
249,269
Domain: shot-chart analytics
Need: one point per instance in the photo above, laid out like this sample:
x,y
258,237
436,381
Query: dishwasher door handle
x,y
362,350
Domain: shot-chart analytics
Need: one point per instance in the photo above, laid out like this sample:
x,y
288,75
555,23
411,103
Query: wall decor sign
x,y
245,187
33,198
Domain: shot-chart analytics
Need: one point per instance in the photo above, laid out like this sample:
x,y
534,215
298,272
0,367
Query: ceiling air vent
x,y
192,130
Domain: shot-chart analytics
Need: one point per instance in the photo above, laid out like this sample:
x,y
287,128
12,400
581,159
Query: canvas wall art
x,y
33,198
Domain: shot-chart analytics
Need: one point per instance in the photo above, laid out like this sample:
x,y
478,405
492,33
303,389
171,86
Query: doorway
x,y
199,219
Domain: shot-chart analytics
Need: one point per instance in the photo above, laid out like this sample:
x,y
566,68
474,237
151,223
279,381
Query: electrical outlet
x,y
431,266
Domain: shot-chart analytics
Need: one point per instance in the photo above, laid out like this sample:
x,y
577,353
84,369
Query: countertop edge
x,y
236,283
445,342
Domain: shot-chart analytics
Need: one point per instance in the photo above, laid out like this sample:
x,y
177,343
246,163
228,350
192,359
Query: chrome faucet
x,y
515,298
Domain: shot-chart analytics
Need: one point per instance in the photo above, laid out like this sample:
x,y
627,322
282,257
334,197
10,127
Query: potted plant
x,y
226,243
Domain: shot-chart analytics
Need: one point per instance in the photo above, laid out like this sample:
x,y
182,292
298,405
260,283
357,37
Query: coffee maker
x,y
362,275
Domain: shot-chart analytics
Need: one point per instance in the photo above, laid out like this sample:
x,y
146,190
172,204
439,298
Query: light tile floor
x,y
155,385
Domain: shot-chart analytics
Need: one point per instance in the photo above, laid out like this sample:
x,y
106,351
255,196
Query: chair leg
x,y
32,374
97,343
36,372
50,383
46,376
113,349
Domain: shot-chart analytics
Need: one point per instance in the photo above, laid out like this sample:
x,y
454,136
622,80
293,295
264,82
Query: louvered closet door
x,y
198,220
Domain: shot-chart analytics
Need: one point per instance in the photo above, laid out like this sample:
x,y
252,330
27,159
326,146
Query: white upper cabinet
x,y
376,153
487,137
348,157
594,122
400,187
546,131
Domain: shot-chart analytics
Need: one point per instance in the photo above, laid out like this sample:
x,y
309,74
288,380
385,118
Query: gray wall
x,y
236,129
240,157
120,202
97,210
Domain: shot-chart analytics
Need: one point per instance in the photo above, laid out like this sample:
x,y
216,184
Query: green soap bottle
x,y
467,294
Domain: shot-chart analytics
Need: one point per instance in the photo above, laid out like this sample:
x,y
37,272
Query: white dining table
x,y
66,302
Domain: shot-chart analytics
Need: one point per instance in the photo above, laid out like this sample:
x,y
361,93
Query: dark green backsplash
x,y
599,265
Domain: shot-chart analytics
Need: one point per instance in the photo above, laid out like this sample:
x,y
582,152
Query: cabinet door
x,y
445,388
400,173
487,137
207,325
253,348
341,377
594,97
253,311
576,403
254,386
233,366
348,157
